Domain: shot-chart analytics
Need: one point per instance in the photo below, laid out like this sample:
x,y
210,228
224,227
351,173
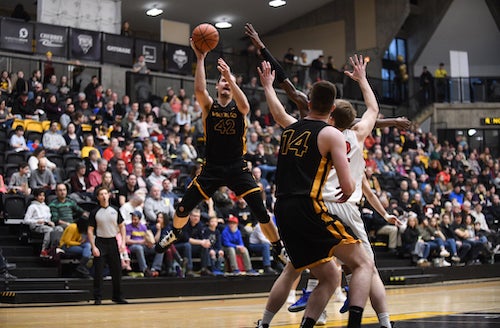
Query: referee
x,y
105,222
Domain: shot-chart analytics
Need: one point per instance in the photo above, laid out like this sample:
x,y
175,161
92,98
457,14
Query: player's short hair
x,y
344,114
322,96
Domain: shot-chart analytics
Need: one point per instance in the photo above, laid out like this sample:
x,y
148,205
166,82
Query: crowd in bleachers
x,y
146,155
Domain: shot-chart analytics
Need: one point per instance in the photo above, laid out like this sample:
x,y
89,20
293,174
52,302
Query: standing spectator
x,y
441,76
317,66
140,66
288,61
38,218
426,86
105,222
232,244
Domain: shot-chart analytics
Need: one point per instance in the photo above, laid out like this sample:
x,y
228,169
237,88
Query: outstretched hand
x,y
266,74
402,123
359,68
254,36
224,69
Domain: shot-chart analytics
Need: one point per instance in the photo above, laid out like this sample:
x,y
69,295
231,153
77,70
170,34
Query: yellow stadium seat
x,y
17,122
46,125
86,128
35,126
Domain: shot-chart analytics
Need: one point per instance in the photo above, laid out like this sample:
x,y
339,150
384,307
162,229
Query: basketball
x,y
205,37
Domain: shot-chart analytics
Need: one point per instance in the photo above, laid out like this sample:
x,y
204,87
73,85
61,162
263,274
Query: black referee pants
x,y
110,255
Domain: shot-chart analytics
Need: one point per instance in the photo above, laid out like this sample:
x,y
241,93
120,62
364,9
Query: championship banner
x,y
85,45
153,53
16,35
179,59
51,38
117,49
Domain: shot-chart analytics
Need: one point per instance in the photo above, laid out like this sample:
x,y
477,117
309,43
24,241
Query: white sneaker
x,y
444,253
338,296
291,299
445,263
322,319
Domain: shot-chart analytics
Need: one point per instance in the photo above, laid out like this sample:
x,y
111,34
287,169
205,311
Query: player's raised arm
x,y
275,107
200,82
238,95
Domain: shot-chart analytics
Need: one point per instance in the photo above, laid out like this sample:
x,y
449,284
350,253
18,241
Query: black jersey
x,y
302,170
225,133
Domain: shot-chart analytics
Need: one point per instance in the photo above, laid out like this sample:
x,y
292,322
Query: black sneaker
x,y
261,325
97,301
166,241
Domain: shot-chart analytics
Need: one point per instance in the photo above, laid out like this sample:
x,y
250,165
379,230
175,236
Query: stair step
x,y
17,250
35,272
24,261
9,240
44,296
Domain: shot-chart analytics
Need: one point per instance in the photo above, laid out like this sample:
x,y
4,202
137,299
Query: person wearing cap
x,y
232,244
140,247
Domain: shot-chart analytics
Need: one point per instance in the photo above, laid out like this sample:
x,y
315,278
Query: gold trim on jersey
x,y
249,192
244,134
317,187
197,185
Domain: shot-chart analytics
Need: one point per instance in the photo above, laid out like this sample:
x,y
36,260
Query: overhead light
x,y
223,24
277,3
153,12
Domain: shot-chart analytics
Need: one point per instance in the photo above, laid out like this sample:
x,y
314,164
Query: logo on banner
x,y
85,42
51,40
23,33
180,58
149,53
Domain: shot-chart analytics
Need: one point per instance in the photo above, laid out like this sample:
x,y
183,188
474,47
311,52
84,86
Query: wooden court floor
x,y
459,304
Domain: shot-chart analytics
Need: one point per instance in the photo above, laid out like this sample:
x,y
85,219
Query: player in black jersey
x,y
225,136
308,149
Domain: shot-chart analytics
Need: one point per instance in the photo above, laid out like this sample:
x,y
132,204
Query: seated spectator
x,y
92,161
259,244
463,249
155,204
167,192
74,243
413,243
73,140
464,235
135,204
64,210
41,178
141,247
88,145
108,153
128,190
18,182
53,141
433,239
141,180
449,243
95,177
37,155
215,252
107,182
377,225
38,218
232,244
81,189
199,245
161,228
156,177
119,172
17,140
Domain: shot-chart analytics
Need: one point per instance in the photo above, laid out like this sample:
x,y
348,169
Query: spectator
x,y
18,182
64,210
141,247
53,141
74,243
135,204
435,240
155,203
215,252
199,245
140,66
258,243
95,177
38,218
81,189
17,141
36,156
441,76
41,178
413,243
72,139
126,31
232,244
156,177
89,145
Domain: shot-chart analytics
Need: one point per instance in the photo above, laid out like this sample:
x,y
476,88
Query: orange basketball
x,y
205,37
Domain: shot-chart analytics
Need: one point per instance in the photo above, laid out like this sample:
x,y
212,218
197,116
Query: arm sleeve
x,y
280,74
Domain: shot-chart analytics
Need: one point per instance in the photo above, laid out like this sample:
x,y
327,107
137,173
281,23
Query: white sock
x,y
348,279
292,294
311,284
384,319
267,317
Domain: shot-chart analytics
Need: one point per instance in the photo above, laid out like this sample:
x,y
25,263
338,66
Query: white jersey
x,y
356,168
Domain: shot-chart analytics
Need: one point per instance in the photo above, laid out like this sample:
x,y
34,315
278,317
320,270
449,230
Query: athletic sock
x,y
348,279
311,284
267,317
355,315
384,319
307,323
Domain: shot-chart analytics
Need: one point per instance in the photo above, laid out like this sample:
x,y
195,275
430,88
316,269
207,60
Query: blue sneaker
x,y
345,307
300,305
218,272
